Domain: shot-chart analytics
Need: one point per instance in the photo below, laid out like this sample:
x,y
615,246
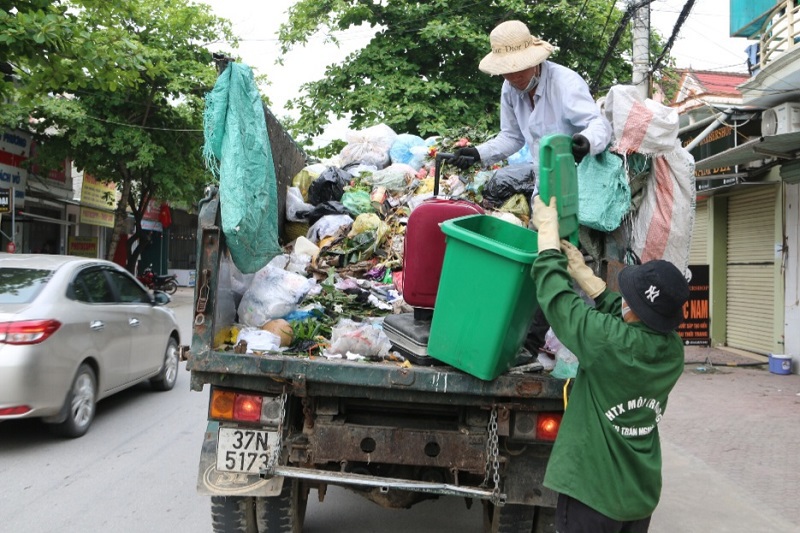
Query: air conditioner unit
x,y
783,118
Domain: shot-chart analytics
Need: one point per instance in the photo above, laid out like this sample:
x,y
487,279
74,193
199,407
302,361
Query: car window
x,y
21,285
92,286
129,291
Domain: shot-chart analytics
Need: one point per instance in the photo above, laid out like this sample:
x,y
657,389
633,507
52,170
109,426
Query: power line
x,y
687,8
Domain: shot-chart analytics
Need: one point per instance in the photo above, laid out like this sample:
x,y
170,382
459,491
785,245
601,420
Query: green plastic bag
x,y
238,153
357,202
604,195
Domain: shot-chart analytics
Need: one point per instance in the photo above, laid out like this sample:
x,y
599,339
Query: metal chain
x,y
276,453
492,457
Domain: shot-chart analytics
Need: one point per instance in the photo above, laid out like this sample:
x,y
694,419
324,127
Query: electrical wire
x,y
687,8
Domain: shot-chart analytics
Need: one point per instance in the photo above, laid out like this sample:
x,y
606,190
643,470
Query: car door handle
x,y
133,322
97,325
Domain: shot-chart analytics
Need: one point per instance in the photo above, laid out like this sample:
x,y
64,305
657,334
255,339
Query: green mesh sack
x,y
238,153
604,195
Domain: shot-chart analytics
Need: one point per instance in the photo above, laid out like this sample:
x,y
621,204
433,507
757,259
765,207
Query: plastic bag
x,y
328,186
273,293
522,157
327,226
358,202
296,209
566,364
325,209
508,181
259,340
303,179
409,150
362,338
369,146
662,227
646,127
517,205
604,196
369,222
393,178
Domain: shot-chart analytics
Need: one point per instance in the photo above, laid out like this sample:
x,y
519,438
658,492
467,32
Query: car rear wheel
x,y
81,404
165,380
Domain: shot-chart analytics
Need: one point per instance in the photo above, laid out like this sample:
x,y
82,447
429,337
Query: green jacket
x,y
607,454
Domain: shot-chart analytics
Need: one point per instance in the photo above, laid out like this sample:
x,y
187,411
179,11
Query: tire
x,y
80,405
284,513
233,514
170,287
166,378
509,518
545,521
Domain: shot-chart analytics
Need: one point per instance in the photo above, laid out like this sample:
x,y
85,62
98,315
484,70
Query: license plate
x,y
244,450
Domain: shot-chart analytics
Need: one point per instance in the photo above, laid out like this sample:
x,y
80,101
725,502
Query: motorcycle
x,y
154,282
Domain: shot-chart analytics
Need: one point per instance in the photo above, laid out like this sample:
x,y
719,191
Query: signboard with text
x,y
5,200
695,330
82,246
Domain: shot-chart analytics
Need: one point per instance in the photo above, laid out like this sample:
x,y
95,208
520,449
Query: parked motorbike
x,y
153,281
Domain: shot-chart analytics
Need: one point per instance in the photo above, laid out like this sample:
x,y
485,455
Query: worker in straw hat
x,y
538,98
606,461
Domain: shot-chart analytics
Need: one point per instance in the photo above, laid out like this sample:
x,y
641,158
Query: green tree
x,y
419,73
143,129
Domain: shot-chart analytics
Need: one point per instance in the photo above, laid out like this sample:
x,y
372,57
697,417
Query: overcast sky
x,y
703,42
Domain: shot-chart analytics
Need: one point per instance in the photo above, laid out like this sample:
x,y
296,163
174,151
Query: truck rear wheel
x,y
233,514
275,514
508,518
284,513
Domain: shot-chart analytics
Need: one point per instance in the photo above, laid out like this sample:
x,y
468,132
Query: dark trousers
x,y
573,516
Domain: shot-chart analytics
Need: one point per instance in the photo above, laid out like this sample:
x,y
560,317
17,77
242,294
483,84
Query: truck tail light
x,y
547,425
242,407
27,331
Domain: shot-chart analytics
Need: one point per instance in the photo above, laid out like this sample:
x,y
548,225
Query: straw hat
x,y
514,49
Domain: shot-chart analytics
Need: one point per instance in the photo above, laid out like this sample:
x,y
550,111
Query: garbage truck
x,y
283,426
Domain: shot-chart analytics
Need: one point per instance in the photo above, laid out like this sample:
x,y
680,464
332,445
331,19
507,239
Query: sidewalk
x,y
730,436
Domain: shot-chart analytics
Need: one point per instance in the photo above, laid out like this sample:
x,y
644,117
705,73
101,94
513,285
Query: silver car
x,y
75,330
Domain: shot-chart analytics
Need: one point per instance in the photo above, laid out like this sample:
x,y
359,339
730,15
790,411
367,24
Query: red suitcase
x,y
424,245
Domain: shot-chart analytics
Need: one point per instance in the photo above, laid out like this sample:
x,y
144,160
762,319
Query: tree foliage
x,y
419,73
132,113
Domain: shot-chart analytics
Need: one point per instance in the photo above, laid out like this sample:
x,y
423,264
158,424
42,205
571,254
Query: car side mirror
x,y
161,298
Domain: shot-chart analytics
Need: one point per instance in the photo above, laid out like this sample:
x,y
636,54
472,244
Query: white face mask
x,y
531,84
625,309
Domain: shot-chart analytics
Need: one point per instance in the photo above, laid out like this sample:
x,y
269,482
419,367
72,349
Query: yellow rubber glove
x,y
591,284
545,220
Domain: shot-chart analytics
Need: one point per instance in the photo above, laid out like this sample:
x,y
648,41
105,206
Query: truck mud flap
x,y
211,482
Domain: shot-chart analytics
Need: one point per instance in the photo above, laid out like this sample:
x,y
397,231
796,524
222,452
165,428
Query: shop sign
x,y
151,220
16,178
82,246
16,143
95,193
5,200
695,330
96,217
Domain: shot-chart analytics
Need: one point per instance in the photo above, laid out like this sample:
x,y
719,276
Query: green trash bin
x,y
486,297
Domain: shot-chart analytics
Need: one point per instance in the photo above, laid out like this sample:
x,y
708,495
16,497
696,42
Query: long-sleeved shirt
x,y
562,104
607,453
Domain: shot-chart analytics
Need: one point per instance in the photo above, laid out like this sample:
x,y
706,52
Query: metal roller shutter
x,y
751,269
698,253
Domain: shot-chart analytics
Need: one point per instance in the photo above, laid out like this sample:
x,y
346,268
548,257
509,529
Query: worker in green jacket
x,y
606,461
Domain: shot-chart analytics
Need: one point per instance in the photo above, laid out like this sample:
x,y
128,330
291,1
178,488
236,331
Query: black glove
x,y
465,157
580,147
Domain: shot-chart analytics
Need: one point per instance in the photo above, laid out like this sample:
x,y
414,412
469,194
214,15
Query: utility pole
x,y
641,47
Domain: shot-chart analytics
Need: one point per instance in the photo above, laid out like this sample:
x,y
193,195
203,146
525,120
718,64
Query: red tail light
x,y
247,408
16,410
27,331
547,426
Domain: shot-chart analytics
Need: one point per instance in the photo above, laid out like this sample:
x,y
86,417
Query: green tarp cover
x,y
238,152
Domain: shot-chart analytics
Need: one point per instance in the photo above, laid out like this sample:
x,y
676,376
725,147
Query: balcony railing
x,y
780,33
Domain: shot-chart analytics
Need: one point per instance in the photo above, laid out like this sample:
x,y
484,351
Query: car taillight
x,y
27,331
547,425
242,407
16,410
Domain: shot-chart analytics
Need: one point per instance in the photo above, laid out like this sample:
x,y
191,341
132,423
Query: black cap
x,y
656,292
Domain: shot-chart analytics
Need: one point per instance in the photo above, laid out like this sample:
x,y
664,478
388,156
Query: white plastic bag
x,y
646,127
327,226
297,210
259,340
369,146
273,293
662,227
363,338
